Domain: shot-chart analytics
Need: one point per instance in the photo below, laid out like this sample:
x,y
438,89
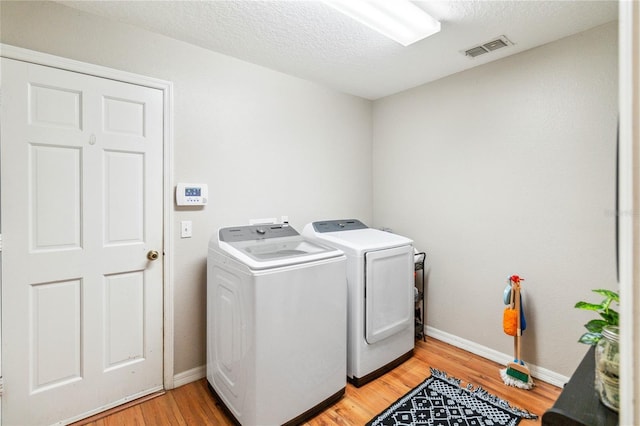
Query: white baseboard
x,y
539,373
189,376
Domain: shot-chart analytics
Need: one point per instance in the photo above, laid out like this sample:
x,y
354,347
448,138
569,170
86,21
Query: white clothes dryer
x,y
276,324
380,314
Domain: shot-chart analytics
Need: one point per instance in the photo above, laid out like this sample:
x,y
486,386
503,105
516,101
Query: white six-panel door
x,y
81,165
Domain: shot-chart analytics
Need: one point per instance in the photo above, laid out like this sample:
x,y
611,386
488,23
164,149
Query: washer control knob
x,y
261,231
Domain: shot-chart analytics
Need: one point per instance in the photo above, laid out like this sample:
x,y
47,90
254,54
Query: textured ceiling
x,y
308,39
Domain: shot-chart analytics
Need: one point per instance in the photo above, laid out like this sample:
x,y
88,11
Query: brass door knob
x,y
152,255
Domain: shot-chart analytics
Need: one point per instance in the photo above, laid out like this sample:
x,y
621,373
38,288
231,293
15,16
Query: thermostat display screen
x,y
192,192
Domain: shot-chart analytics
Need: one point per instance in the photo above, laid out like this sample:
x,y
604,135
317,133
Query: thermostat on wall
x,y
192,194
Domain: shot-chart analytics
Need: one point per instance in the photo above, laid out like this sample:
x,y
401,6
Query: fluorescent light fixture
x,y
400,20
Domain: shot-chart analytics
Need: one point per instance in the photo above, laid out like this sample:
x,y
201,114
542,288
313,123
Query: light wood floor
x,y
192,404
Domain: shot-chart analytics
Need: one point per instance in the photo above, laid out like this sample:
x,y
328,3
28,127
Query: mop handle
x,y
516,286
516,295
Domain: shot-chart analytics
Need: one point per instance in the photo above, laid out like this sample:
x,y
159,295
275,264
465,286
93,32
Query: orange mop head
x,y
510,321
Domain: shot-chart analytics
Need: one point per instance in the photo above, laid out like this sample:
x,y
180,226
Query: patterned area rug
x,y
440,401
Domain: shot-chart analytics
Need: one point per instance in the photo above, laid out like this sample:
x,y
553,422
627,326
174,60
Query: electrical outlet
x,y
263,221
186,229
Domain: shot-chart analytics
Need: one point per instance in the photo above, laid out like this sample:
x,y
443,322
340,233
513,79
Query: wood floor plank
x,y
162,412
193,404
132,416
198,406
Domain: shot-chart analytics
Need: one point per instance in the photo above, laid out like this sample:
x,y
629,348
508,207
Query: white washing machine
x,y
380,324
276,324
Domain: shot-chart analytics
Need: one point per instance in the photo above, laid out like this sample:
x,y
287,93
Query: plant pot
x,y
608,368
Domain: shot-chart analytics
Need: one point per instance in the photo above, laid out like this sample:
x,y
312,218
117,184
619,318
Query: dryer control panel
x,y
338,225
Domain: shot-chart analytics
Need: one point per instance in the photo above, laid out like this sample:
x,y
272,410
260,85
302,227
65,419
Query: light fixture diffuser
x,y
400,20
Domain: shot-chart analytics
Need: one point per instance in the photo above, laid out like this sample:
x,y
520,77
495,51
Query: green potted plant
x,y
608,316
603,333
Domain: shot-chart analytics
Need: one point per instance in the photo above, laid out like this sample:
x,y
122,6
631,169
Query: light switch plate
x,y
186,229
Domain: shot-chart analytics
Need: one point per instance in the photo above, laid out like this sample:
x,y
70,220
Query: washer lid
x,y
271,246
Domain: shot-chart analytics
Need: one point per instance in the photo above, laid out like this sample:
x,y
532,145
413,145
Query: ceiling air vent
x,y
476,51
487,47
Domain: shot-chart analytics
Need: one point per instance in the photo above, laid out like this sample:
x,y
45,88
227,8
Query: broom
x,y
516,374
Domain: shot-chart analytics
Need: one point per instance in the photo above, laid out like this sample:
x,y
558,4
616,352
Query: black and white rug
x,y
440,401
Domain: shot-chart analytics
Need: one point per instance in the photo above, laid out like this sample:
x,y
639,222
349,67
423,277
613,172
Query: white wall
x,y
504,169
508,168
266,143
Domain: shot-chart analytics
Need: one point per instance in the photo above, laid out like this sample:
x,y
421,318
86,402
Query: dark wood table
x,y
579,404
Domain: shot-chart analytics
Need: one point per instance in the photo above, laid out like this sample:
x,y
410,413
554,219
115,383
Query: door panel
x,y
388,292
124,321
124,186
55,202
55,334
81,207
123,116
55,106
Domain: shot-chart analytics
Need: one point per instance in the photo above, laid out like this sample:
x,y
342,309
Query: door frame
x,y
39,58
629,210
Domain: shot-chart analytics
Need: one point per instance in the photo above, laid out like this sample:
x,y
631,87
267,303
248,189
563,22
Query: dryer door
x,y
388,292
